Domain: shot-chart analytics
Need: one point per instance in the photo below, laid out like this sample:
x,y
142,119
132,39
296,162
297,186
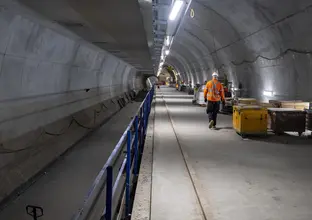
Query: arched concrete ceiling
x,y
178,66
187,72
114,25
263,44
258,43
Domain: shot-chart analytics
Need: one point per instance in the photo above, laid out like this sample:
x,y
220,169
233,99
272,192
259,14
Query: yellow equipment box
x,y
247,101
250,120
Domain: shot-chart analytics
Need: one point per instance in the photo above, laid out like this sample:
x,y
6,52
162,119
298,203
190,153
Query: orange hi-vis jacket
x,y
214,91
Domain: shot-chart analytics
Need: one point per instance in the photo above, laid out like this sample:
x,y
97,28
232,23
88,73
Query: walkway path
x,y
217,175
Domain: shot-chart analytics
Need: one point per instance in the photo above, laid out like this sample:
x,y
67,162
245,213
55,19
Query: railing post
x,y
136,146
153,89
153,92
128,173
141,123
148,101
144,104
145,117
109,193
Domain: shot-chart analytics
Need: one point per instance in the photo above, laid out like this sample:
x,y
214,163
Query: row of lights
x,y
177,6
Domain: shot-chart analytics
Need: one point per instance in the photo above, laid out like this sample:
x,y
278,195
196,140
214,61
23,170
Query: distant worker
x,y
214,93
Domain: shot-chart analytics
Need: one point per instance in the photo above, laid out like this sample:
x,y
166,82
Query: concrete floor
x,y
258,178
62,189
173,195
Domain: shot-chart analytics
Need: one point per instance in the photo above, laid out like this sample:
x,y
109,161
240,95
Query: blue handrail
x,y
134,137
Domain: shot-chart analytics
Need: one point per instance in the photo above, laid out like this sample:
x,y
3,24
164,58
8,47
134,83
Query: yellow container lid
x,y
251,107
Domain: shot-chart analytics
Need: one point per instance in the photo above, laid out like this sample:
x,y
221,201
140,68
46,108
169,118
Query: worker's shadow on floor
x,y
285,139
224,128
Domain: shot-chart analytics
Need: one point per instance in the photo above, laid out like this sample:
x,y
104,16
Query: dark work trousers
x,y
212,111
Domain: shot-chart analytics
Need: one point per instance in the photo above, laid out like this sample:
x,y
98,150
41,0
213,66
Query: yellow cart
x,y
250,120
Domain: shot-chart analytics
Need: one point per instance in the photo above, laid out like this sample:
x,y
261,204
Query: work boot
x,y
211,124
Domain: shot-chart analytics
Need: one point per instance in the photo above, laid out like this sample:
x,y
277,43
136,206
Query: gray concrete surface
x,y
255,178
47,76
45,69
231,36
173,195
93,21
62,189
23,156
142,200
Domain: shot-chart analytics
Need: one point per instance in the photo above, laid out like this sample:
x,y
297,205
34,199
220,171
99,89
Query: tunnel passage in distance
x,y
152,80
263,45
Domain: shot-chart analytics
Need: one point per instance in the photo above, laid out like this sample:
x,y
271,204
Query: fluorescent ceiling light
x,y
268,93
175,9
168,41
167,52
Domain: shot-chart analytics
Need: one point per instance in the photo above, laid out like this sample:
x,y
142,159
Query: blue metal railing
x,y
133,138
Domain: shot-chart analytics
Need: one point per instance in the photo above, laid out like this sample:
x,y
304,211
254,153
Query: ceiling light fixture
x,y
175,9
268,93
167,40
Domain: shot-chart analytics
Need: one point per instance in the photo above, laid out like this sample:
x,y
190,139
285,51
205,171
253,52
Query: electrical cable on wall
x,y
236,63
63,131
103,105
30,146
281,55
44,132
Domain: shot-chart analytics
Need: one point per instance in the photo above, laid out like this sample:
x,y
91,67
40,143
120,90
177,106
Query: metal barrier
x,y
133,141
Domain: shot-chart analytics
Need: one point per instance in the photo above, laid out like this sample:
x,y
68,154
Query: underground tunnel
x,y
74,74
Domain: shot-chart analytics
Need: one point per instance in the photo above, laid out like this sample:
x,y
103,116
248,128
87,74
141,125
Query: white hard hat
x,y
215,74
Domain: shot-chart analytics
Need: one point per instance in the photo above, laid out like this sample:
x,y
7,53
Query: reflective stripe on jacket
x,y
214,91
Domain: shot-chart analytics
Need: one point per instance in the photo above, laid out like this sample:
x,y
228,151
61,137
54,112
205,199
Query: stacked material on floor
x,y
247,101
295,105
266,104
190,91
200,99
275,103
228,107
228,99
284,104
287,120
309,120
250,120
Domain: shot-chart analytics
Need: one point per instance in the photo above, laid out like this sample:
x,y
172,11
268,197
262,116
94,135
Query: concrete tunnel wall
x,y
265,45
54,88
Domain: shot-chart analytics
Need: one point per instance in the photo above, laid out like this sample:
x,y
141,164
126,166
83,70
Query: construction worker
x,y
213,93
